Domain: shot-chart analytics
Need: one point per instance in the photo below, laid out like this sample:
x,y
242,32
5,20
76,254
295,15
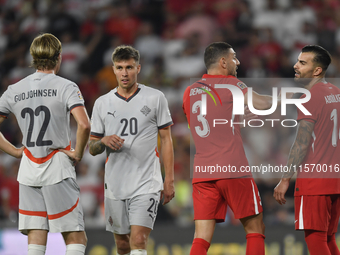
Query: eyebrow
x,y
301,61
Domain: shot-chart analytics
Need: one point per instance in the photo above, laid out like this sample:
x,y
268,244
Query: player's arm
x,y
167,155
296,156
97,145
7,147
260,102
83,132
264,102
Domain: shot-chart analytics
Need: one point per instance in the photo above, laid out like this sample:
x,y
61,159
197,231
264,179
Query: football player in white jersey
x,y
126,122
48,194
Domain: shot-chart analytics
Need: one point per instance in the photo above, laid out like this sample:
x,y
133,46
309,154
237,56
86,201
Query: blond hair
x,y
45,50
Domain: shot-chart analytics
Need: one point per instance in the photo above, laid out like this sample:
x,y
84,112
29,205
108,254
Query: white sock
x,y
138,252
75,249
35,249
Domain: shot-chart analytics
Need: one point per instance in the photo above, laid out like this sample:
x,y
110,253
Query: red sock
x,y
317,242
333,248
255,244
199,247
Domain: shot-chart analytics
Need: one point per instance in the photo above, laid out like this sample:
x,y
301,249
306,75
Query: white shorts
x,y
55,208
140,210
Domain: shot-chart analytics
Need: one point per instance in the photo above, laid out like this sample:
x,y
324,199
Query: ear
x,y
317,71
139,68
223,63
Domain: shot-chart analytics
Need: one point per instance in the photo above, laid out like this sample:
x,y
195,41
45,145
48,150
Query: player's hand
x,y
169,191
114,142
72,156
19,152
248,115
280,191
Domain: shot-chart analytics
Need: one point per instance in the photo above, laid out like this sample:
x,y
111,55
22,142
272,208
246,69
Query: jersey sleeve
x,y
97,124
186,104
5,108
313,107
74,98
242,86
163,113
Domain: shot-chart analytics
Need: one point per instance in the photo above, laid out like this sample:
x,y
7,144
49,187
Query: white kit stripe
x,y
255,201
301,214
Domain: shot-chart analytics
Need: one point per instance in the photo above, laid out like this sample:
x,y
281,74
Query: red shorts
x,y
212,198
319,213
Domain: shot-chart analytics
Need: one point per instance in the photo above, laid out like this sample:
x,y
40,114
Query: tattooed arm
x,y
296,156
97,145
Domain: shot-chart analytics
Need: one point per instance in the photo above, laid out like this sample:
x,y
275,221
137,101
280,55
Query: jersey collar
x,y
127,99
217,76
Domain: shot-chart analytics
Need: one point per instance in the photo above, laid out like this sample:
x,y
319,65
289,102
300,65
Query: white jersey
x,y
41,104
135,168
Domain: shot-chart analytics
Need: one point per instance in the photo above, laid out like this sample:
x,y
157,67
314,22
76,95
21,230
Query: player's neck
x,y
127,92
315,81
45,71
216,71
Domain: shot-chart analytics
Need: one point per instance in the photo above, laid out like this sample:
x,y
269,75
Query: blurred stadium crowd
x,y
171,36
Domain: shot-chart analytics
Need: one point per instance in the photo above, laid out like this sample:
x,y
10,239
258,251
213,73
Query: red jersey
x,y
215,130
323,156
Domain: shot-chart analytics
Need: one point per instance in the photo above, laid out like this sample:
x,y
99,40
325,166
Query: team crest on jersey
x,y
145,110
241,85
80,95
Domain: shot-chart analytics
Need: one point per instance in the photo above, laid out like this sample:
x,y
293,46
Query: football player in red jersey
x,y
317,193
221,146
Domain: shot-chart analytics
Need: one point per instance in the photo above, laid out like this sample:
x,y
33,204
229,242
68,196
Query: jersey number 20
x,y
133,124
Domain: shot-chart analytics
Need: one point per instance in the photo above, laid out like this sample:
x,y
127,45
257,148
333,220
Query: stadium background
x,y
171,36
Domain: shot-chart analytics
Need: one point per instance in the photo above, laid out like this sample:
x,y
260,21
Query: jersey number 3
x,y
31,113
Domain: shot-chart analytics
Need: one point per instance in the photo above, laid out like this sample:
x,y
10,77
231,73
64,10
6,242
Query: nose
x,y
296,65
238,62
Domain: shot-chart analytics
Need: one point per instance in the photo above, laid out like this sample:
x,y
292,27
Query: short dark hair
x,y
214,52
125,52
321,56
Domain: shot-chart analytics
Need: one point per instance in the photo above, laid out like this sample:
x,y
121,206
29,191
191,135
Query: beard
x,y
232,72
302,81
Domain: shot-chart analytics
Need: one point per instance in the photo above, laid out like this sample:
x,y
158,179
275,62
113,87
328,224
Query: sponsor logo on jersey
x,y
80,95
145,110
112,113
241,85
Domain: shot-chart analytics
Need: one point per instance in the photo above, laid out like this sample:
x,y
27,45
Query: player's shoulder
x,y
105,97
150,93
20,82
323,88
64,82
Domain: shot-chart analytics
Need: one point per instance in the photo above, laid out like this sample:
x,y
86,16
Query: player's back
x,y
42,103
217,140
